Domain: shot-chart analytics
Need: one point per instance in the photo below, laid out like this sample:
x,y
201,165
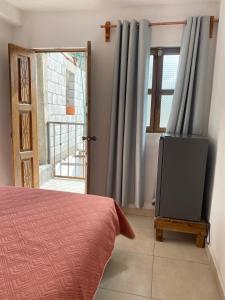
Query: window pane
x,y
165,108
149,102
170,67
150,72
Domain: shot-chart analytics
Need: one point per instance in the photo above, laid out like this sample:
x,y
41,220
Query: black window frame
x,y
156,91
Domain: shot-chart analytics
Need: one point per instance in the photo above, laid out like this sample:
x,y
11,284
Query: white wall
x,y
9,13
5,123
217,136
74,29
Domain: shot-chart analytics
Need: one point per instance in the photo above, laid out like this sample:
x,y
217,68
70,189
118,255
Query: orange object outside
x,y
70,110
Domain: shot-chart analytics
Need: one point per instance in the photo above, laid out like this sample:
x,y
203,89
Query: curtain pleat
x,y
191,101
127,135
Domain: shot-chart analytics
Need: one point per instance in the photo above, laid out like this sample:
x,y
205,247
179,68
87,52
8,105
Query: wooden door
x,y
22,64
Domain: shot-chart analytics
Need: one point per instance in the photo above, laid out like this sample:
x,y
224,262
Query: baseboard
x,y
216,273
139,211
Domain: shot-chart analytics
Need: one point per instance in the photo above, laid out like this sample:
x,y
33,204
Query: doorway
x,y
61,103
56,122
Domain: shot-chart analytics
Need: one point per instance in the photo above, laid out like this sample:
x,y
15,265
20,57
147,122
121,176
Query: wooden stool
x,y
198,228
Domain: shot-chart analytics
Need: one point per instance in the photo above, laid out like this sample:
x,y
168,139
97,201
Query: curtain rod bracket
x,y
107,28
211,26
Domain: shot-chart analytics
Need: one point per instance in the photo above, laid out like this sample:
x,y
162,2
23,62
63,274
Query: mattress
x,y
55,245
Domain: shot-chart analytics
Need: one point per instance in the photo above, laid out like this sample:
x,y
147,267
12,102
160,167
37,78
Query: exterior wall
x,y
56,67
70,88
58,91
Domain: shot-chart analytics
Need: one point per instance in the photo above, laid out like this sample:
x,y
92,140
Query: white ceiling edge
x,y
9,13
95,5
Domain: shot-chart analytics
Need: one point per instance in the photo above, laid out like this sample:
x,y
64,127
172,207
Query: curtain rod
x,y
107,26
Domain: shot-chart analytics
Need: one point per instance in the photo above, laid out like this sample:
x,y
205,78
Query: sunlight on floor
x,y
65,185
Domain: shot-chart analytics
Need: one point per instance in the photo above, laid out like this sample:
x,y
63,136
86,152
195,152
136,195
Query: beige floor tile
x,y
141,222
180,246
182,280
129,273
104,294
143,242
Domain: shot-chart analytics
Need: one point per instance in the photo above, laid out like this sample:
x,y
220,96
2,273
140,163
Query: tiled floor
x,y
144,269
65,185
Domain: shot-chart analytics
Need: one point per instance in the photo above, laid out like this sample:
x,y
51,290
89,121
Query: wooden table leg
x,y
200,229
200,241
159,235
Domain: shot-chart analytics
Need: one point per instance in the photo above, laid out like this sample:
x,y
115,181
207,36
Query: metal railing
x,y
66,149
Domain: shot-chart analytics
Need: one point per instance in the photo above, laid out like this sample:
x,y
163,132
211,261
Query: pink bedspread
x,y
55,245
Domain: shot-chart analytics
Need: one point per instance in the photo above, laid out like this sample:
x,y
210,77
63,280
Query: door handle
x,y
89,138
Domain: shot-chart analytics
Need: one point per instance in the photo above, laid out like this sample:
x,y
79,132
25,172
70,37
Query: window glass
x,y
165,108
170,67
150,72
163,70
149,101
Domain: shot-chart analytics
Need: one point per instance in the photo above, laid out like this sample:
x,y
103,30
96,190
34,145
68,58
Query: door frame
x,y
86,50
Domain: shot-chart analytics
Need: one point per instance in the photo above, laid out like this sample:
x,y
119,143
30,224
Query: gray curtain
x,y
191,102
128,122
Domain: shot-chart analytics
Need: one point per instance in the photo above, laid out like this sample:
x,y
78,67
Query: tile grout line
x,y
133,252
184,260
125,293
153,260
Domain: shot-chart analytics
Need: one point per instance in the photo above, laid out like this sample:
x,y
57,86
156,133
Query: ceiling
x,y
65,5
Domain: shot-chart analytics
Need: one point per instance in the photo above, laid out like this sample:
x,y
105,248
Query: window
x,y
162,79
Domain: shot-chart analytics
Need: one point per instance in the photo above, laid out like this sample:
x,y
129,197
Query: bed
x,y
55,245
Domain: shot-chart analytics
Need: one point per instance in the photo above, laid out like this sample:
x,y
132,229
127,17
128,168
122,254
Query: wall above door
x,y
68,5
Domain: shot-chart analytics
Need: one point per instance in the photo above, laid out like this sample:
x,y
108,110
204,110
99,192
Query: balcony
x,y
66,157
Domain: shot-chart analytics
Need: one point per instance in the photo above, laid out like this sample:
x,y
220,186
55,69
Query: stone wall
x,y
57,92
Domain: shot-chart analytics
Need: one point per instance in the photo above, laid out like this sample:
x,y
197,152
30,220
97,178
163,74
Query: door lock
x,y
89,138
